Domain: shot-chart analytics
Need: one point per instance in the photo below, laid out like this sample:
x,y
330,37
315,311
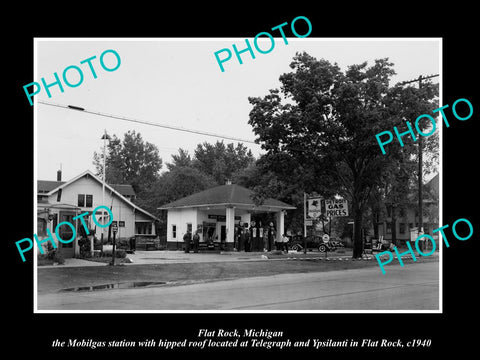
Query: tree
x,y
323,139
183,159
172,185
131,161
221,162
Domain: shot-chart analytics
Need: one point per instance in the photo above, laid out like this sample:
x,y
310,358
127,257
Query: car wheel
x,y
296,247
322,248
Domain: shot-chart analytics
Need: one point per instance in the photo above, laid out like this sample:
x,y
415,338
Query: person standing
x,y
285,241
187,238
235,240
253,237
241,245
247,241
196,241
265,240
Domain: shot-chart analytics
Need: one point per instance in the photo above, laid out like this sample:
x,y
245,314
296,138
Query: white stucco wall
x,y
180,218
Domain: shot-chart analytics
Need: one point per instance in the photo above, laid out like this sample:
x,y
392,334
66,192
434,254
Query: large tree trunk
x,y
375,223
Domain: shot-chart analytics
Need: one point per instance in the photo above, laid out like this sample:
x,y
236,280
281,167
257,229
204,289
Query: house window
x,y
85,200
174,231
402,228
389,227
88,200
143,228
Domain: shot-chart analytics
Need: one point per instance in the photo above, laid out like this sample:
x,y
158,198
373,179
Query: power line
x,y
419,79
124,118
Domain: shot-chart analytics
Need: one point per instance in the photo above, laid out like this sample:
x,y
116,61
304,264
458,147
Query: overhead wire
x,y
144,122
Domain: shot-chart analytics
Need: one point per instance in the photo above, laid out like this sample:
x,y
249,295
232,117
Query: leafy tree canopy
x,y
129,161
318,129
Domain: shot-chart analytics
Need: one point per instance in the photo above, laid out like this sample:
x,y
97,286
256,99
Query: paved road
x,y
413,287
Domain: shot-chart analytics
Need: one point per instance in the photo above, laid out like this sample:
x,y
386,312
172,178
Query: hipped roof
x,y
226,195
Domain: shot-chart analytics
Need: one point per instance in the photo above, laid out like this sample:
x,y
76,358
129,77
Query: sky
x,y
177,82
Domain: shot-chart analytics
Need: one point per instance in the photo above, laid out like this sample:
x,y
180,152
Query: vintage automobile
x,y
313,242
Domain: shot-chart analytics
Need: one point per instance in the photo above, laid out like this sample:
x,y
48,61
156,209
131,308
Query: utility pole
x,y
420,160
304,222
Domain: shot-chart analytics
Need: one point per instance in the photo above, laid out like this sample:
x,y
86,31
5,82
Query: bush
x,y
58,258
84,244
119,253
52,256
123,243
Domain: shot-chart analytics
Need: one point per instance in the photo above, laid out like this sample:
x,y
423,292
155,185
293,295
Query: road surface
x,y
413,287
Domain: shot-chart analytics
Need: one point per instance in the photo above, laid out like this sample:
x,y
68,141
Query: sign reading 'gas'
x,y
336,207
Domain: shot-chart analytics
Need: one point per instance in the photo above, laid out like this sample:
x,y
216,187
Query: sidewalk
x,y
152,257
142,257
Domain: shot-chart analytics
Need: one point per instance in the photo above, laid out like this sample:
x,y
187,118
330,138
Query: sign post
x,y
326,239
314,208
304,223
114,229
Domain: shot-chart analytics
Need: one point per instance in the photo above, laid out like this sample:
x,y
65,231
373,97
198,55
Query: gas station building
x,y
216,213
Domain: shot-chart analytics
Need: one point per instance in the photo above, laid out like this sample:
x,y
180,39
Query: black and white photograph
x,y
261,187
295,182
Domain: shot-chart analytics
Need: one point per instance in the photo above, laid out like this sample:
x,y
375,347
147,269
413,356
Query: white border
x,y
35,142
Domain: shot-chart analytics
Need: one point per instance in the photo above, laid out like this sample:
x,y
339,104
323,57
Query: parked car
x,y
337,243
329,246
313,242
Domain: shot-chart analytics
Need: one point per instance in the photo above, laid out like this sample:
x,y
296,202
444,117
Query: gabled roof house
x,y
59,201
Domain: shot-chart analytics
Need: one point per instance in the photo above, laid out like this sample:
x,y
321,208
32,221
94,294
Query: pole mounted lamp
x,y
104,137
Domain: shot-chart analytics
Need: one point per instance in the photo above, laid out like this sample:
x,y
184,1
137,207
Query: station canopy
x,y
229,195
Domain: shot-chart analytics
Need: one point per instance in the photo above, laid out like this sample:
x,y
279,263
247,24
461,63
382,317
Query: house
x,y
407,217
216,213
59,201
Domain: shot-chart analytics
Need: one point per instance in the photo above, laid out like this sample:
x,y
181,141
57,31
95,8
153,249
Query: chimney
x,y
59,175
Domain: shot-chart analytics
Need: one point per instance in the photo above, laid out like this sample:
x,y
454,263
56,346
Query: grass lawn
x,y
55,279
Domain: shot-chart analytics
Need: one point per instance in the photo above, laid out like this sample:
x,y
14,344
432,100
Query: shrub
x,y
119,253
123,243
58,258
84,244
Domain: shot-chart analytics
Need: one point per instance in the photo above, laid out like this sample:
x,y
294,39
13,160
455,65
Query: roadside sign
x,y
336,208
114,226
309,222
315,208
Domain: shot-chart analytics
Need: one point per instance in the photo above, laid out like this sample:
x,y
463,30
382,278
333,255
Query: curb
x,y
367,258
